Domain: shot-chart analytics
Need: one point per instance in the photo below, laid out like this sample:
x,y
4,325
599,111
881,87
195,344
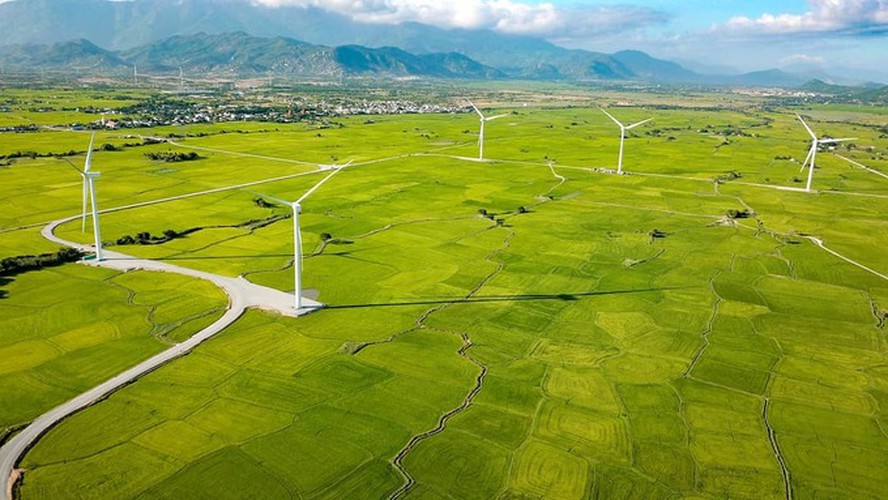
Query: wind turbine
x,y
296,206
484,119
623,129
89,191
812,153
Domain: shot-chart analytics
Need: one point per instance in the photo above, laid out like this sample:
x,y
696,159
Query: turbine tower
x,y
812,153
484,119
296,206
623,129
89,191
87,165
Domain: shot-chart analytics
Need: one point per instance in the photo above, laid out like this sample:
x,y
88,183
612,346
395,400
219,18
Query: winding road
x,y
242,295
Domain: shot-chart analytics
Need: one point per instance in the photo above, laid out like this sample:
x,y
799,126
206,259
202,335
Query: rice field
x,y
523,327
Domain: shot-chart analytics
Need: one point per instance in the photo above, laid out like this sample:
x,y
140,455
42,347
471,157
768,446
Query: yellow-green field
x,y
598,336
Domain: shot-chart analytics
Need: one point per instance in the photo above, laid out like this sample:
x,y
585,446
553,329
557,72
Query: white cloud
x,y
822,16
803,59
505,16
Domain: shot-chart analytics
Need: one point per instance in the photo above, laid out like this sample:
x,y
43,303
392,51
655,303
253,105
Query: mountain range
x,y
244,55
211,35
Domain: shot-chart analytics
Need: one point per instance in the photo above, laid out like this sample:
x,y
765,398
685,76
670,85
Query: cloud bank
x,y
504,16
823,16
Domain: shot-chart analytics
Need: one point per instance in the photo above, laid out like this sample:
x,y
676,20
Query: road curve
x,y
241,295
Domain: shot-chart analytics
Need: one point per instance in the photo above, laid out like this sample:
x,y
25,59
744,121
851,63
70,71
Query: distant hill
x,y
875,96
78,54
242,54
767,78
821,87
647,67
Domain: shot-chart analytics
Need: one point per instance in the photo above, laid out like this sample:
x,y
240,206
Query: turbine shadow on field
x,y
213,257
564,297
345,254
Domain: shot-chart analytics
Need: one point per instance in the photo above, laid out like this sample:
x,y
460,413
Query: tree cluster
x,y
172,157
34,154
14,265
146,238
730,176
737,214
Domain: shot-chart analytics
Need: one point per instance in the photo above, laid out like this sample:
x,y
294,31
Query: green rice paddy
x,y
597,336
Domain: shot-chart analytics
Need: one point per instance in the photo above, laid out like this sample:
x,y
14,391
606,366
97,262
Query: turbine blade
x,y
476,109
85,200
72,165
319,184
808,158
612,117
495,117
630,127
272,198
89,153
810,132
833,141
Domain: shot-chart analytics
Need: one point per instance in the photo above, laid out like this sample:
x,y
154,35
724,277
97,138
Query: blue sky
x,y
743,34
754,34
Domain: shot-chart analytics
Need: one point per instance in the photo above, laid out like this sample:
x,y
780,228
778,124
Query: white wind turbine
x,y
89,191
296,206
623,129
812,153
484,119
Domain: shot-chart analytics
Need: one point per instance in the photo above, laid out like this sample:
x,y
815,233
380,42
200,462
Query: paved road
x,y
241,295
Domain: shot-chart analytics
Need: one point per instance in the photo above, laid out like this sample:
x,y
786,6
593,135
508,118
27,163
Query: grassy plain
x,y
723,359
